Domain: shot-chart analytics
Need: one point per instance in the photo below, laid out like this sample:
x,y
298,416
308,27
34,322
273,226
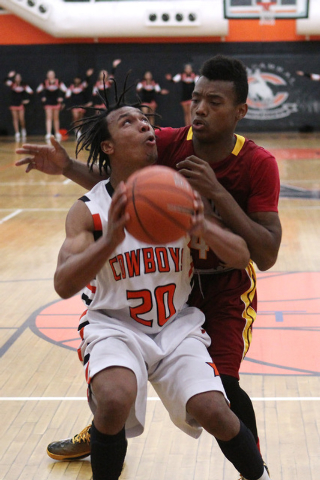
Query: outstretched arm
x,y
54,160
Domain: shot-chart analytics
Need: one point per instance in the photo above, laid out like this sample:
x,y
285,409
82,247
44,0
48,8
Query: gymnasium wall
x,y
285,101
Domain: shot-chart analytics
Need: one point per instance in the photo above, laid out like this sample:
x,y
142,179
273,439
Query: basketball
x,y
160,205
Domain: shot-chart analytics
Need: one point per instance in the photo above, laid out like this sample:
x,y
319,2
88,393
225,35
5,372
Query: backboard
x,y
255,9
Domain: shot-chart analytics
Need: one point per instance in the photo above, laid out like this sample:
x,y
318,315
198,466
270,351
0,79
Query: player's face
x,y
214,111
132,144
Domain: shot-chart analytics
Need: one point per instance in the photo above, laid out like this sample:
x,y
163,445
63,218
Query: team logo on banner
x,y
269,87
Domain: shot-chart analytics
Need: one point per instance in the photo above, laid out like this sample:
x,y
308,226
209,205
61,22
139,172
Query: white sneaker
x,y
47,137
24,133
17,136
58,137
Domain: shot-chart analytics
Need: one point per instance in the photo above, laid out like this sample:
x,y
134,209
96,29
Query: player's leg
x,y
229,303
114,390
190,387
235,440
240,404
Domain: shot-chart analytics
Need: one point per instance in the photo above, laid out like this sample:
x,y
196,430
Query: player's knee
x,y
210,409
114,396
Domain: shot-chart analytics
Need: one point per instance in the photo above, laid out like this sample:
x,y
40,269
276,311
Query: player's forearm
x,y
230,248
79,173
263,241
77,271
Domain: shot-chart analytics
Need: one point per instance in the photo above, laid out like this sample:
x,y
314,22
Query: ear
x,y
107,147
241,111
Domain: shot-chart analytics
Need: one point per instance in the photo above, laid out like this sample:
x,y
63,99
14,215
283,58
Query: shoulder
x,y
169,134
79,219
255,153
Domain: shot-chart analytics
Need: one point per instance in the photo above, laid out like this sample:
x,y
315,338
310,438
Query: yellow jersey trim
x,y
236,149
248,314
190,134
239,144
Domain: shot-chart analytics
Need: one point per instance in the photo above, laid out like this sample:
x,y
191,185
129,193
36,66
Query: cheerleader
x,y
188,79
77,95
148,90
20,96
52,95
103,83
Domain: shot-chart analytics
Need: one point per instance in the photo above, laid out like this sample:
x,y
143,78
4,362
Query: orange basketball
x,y
160,205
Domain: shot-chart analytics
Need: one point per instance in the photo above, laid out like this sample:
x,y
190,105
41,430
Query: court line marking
x,y
36,209
152,399
8,217
31,184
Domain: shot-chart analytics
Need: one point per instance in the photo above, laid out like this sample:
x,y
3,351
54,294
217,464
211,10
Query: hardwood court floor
x,y
42,387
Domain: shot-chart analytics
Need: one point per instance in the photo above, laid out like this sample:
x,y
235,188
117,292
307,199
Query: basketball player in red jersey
x,y
241,180
188,79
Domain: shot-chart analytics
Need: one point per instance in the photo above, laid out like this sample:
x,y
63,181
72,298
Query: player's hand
x,y
168,76
299,72
51,159
200,175
117,218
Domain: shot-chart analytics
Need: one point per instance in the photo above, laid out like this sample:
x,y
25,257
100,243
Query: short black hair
x,y
93,130
228,69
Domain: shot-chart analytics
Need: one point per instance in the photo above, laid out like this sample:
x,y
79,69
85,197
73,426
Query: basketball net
x,y
267,16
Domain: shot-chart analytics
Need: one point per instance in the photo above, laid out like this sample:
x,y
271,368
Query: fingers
x,y
24,161
29,149
54,142
189,161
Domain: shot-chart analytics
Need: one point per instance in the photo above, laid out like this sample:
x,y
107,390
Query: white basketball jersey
x,y
145,285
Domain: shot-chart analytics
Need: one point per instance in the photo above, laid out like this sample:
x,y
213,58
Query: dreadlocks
x,y
94,129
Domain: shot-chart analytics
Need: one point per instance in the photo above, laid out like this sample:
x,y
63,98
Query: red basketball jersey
x,y
250,174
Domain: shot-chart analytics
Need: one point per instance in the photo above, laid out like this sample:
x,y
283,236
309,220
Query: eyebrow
x,y
124,115
210,95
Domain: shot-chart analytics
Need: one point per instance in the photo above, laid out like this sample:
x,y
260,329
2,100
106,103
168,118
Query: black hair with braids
x,y
228,69
94,129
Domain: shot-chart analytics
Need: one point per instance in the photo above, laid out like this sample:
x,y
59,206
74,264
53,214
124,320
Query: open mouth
x,y
151,140
197,123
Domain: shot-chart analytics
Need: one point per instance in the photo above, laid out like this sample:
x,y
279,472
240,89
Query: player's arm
x,y
230,248
80,257
54,160
261,231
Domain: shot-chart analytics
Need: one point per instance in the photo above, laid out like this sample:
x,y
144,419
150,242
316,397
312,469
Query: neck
x,y
216,150
117,177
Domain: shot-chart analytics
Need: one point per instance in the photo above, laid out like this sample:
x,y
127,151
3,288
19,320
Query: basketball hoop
x,y
267,16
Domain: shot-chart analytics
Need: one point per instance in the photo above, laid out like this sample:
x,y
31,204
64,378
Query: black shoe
x,y
71,448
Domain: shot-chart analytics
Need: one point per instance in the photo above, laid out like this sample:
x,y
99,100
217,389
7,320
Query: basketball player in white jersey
x,y
138,326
